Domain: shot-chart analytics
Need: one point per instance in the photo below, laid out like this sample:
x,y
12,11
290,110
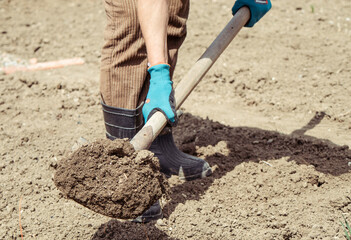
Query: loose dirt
x,y
110,178
272,117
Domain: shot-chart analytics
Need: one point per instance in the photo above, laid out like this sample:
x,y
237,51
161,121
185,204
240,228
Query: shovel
x,y
126,187
144,138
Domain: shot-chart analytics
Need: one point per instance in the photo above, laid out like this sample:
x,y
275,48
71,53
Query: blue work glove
x,y
258,8
160,96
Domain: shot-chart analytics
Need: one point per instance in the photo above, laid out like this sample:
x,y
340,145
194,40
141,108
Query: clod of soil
x,y
111,178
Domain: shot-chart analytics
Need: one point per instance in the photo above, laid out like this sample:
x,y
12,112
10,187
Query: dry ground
x,y
273,118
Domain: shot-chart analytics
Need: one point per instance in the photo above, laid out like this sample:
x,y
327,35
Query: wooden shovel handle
x,y
158,121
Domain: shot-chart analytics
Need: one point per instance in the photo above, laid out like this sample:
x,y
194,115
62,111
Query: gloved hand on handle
x,y
160,96
258,8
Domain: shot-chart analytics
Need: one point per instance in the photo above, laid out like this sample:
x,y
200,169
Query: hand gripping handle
x,y
158,121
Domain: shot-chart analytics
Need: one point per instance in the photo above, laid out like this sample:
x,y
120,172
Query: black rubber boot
x,y
175,162
125,123
153,213
121,122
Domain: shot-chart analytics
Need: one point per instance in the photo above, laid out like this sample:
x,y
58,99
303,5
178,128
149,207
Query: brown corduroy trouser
x,y
124,76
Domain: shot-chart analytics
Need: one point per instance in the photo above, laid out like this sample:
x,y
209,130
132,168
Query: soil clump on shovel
x,y
111,178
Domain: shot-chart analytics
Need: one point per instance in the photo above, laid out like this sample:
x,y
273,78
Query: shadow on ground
x,y
243,144
246,144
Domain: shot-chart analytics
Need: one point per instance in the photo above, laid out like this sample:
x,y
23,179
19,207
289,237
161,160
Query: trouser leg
x,y
124,77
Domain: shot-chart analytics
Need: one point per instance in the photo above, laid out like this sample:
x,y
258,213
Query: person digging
x,y
142,39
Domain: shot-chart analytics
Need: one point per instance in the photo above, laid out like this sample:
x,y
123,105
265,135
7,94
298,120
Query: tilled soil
x,y
272,117
110,178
